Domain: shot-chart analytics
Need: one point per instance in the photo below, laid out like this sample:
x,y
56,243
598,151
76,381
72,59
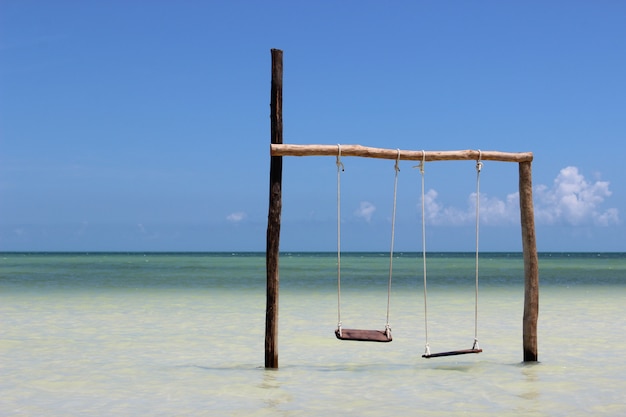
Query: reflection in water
x,y
531,387
273,394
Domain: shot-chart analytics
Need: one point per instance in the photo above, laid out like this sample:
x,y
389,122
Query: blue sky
x,y
144,126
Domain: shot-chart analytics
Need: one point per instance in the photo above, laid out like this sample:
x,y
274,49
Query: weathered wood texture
x,y
363,335
381,153
452,353
274,213
531,263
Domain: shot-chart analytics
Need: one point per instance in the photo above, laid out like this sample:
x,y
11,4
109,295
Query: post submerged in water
x,y
531,263
274,213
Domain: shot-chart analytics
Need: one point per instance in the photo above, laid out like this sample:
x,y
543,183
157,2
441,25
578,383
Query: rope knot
x,y
422,163
340,166
479,163
397,167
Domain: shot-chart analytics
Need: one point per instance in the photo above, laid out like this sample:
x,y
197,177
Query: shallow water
x,y
174,334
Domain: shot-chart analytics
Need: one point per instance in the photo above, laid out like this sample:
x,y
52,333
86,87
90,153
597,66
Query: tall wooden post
x,y
273,217
531,263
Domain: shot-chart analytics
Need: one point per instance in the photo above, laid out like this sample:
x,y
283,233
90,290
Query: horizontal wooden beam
x,y
381,153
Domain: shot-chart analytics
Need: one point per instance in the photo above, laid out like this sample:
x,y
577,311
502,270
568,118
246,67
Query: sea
x,y
182,334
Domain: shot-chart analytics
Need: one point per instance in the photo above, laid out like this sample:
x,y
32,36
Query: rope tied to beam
x,y
479,167
393,229
421,167
340,169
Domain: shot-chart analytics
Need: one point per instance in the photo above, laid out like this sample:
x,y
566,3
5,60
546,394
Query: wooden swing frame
x,y
278,150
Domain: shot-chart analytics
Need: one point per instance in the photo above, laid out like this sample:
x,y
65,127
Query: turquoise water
x,y
183,335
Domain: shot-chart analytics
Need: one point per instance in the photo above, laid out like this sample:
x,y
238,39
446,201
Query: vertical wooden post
x,y
531,263
273,217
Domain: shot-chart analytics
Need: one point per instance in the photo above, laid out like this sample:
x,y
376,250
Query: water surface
x,y
183,334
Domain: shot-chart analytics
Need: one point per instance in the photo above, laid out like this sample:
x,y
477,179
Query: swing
x,y
362,335
475,348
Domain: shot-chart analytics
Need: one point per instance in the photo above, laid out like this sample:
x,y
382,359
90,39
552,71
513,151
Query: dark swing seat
x,y
363,335
451,353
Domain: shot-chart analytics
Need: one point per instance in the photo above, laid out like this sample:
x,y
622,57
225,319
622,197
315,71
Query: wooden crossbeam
x,y
382,153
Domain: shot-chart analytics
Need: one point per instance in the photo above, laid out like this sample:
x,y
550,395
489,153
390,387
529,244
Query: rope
x,y
340,168
393,229
479,166
421,168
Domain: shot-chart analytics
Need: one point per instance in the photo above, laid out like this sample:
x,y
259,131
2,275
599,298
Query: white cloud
x,y
366,210
236,217
437,214
493,211
571,200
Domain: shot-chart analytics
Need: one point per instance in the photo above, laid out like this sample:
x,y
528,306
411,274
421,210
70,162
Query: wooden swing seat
x,y
363,335
452,353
